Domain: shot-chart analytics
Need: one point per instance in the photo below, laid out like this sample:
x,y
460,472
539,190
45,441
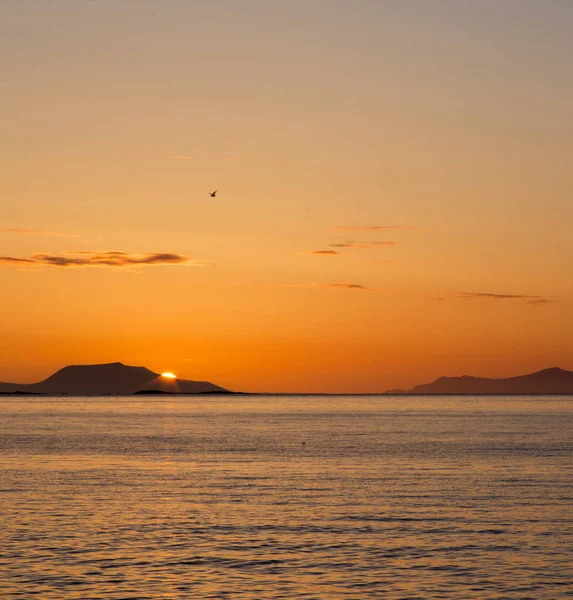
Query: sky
x,y
395,190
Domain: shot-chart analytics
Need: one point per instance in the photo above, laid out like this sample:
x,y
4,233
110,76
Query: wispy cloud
x,y
537,300
368,227
339,286
477,295
99,259
322,252
352,244
11,260
345,286
39,232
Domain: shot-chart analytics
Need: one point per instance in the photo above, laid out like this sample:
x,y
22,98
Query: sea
x,y
294,497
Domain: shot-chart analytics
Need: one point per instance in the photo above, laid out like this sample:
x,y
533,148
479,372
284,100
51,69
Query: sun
x,y
169,375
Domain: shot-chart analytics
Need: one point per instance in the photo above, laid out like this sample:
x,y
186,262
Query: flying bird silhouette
x,y
213,194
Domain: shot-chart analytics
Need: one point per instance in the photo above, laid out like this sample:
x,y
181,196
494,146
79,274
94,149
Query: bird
x,y
213,194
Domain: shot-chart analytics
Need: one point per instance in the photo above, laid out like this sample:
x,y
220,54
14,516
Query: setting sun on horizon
x,y
169,375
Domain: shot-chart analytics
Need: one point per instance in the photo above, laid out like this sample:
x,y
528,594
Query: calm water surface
x,y
286,497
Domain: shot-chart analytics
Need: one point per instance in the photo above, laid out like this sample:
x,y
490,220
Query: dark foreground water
x,y
287,497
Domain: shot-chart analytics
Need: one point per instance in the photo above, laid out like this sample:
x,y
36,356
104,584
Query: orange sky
x,y
395,190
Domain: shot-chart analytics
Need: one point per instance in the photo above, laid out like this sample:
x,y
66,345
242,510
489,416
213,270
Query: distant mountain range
x,y
111,378
547,381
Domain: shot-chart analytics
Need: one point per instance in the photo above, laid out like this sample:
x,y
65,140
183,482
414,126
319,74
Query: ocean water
x,y
286,497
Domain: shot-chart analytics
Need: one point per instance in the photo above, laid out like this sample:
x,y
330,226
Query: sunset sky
x,y
395,189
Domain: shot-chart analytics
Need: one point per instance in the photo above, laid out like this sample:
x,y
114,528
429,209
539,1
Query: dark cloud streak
x,y
100,259
536,300
474,295
12,260
345,286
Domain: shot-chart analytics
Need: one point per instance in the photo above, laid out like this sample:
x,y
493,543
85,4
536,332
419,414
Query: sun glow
x,y
169,375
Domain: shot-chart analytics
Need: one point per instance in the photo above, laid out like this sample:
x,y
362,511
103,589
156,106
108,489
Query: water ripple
x,y
121,500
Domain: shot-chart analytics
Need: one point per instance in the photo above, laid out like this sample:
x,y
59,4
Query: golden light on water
x,y
169,375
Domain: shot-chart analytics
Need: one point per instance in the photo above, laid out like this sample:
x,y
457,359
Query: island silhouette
x,y
119,379
110,379
547,381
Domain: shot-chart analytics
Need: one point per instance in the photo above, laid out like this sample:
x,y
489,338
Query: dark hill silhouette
x,y
546,381
110,378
